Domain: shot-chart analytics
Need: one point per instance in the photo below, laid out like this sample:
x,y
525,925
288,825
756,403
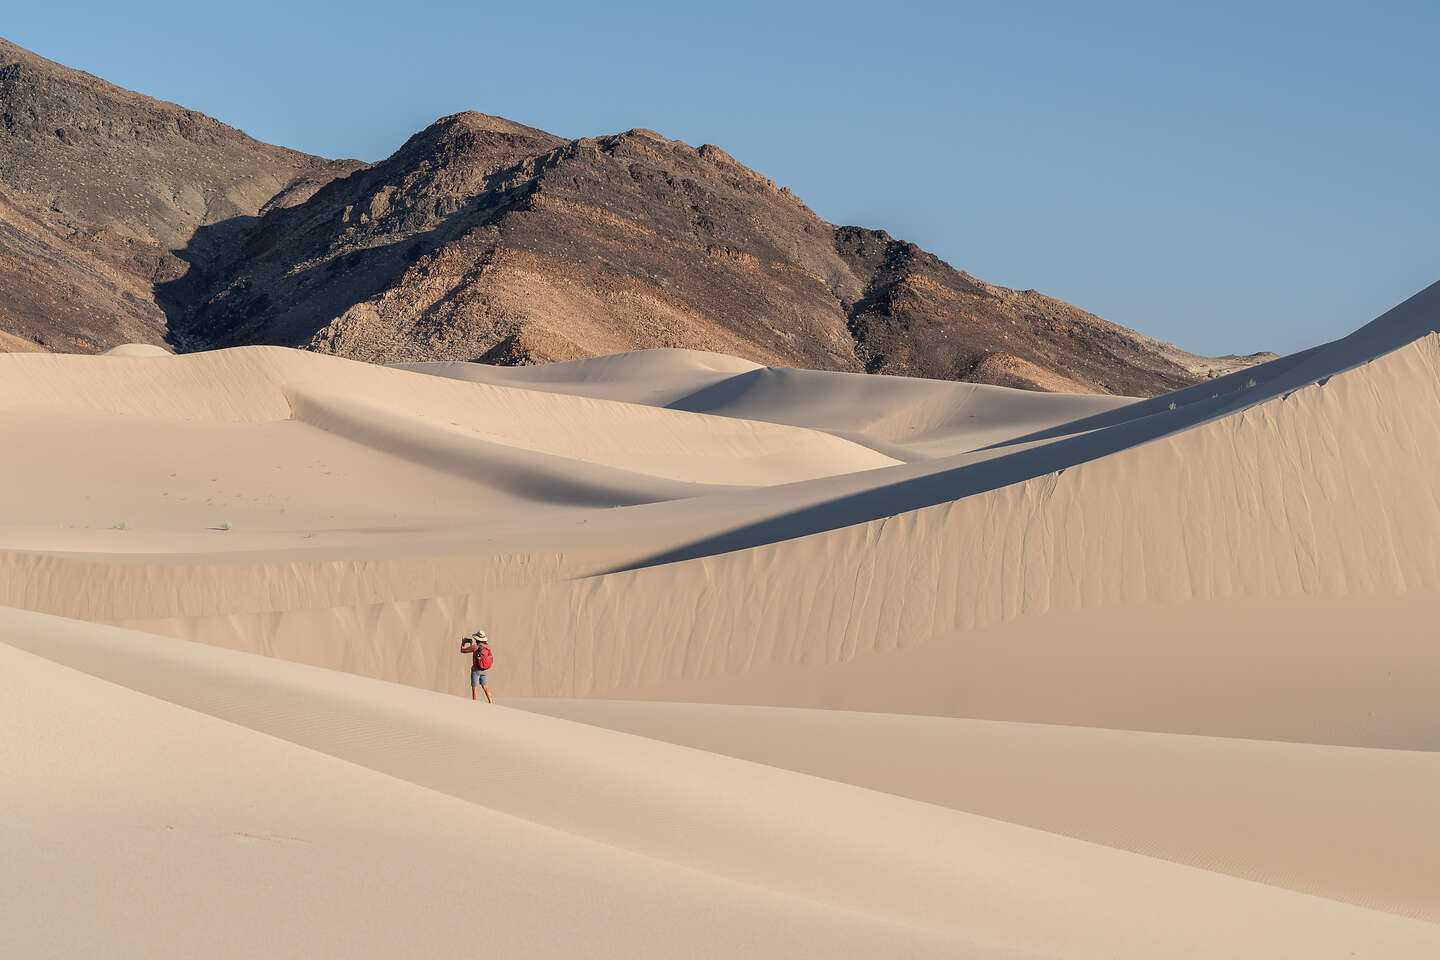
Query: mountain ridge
x,y
485,239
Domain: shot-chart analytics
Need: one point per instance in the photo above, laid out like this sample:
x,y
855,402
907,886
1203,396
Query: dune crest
x,y
136,350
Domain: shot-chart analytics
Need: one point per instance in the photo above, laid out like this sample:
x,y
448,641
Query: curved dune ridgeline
x,y
1287,491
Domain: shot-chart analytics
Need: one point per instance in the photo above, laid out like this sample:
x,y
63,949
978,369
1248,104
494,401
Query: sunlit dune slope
x,y
304,452
273,384
187,834
1342,822
1224,555
687,846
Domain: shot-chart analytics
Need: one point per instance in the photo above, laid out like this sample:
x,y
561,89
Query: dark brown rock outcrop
x,y
101,193
124,218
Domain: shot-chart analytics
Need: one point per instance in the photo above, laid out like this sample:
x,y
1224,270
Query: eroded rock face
x,y
481,238
101,193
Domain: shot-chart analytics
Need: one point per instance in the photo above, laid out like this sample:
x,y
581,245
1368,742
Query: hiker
x,y
478,646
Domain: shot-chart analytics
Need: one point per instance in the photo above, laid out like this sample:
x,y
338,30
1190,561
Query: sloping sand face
x,y
644,847
1346,823
904,417
186,833
1222,602
1185,544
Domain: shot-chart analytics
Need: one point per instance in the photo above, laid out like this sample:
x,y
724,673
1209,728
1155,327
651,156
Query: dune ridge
x,y
971,878
263,847
1347,823
526,473
906,418
1131,626
1292,493
255,385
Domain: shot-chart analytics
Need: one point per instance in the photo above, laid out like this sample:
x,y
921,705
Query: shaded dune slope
x,y
261,384
528,474
907,418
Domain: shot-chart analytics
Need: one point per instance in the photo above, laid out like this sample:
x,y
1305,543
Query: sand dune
x,y
903,417
654,377
137,828
136,350
524,473
1228,512
916,866
258,384
1342,822
1222,602
9,343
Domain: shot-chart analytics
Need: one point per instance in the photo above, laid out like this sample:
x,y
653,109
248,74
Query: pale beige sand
x,y
1228,526
136,350
1354,670
270,384
1348,823
1256,557
136,828
905,417
440,795
9,343
654,377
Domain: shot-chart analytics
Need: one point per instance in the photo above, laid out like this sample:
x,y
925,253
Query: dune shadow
x,y
941,486
1089,438
718,395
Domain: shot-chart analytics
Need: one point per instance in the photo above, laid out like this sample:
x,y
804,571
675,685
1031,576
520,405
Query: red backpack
x,y
487,659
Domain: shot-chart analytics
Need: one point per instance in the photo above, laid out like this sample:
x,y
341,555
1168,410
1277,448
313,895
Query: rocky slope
x,y
126,218
101,193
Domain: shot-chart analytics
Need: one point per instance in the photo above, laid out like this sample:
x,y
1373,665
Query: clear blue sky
x,y
1231,177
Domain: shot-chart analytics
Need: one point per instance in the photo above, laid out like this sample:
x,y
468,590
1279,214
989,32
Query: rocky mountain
x,y
125,218
102,192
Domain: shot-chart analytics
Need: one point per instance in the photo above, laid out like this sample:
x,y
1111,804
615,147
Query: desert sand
x,y
788,663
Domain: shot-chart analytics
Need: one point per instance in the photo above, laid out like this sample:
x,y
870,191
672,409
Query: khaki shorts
x,y
477,678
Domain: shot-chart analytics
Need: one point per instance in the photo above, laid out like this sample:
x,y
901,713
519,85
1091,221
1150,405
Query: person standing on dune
x,y
481,660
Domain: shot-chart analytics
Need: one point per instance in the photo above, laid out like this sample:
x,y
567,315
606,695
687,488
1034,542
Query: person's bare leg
x,y
487,694
475,696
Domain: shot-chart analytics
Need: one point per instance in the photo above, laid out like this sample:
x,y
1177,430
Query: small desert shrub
x,y
224,524
122,525
1172,404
